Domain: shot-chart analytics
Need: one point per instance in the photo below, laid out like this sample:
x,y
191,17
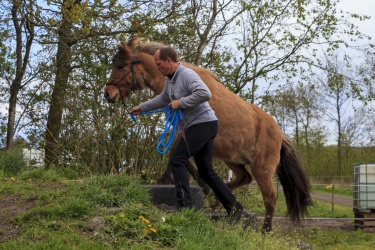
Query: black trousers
x,y
198,144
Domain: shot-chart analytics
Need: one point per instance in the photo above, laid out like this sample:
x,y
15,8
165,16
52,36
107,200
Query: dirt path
x,y
337,199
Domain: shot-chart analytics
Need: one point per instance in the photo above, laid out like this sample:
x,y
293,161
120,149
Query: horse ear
x,y
121,46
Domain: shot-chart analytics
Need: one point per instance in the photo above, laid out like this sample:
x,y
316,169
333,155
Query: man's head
x,y
166,60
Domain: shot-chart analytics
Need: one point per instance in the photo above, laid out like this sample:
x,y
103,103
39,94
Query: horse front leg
x,y
166,177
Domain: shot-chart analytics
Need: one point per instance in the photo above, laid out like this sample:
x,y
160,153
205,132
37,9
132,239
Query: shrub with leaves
x,y
12,162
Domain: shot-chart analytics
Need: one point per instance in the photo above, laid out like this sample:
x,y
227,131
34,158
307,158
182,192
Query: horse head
x,y
133,67
122,78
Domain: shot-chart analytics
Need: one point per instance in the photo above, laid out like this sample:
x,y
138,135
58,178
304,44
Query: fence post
x,y
333,193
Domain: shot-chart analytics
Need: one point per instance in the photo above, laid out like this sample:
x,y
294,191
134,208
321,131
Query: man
x,y
184,89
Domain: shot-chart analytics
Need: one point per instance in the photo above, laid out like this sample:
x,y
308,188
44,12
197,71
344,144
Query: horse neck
x,y
154,79
157,84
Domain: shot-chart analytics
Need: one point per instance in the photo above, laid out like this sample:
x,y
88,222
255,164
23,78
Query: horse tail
x,y
295,184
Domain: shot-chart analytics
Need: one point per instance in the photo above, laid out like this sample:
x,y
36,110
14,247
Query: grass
x,y
114,212
252,199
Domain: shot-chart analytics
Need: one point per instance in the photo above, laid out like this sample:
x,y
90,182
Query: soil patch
x,y
10,207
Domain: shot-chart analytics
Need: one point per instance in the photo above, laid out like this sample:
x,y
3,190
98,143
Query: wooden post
x,y
333,194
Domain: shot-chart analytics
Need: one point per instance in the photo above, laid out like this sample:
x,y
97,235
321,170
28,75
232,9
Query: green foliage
x,y
11,161
74,171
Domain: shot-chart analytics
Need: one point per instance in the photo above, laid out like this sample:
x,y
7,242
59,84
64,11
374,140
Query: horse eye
x,y
121,66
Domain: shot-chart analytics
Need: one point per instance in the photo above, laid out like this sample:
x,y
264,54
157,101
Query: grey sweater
x,y
193,93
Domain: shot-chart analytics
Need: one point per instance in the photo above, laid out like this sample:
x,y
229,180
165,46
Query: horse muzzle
x,y
111,96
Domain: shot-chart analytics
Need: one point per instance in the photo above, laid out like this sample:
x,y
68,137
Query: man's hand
x,y
175,104
136,110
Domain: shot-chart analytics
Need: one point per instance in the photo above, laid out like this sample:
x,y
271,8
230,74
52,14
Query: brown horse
x,y
247,135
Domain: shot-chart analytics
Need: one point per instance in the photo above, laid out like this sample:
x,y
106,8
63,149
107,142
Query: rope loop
x,y
172,118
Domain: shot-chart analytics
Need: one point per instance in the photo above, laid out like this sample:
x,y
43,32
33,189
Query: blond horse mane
x,y
139,44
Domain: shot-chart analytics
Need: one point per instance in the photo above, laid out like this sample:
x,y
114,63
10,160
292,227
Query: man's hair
x,y
168,52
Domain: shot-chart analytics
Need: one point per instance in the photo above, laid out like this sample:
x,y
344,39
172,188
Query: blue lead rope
x,y
171,120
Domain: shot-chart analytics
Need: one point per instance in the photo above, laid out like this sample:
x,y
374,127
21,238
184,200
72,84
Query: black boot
x,y
234,215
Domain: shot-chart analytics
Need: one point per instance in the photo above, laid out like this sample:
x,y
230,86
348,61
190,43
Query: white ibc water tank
x,y
364,187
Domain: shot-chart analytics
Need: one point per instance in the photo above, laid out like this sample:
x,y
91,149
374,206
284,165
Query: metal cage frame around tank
x,y
364,187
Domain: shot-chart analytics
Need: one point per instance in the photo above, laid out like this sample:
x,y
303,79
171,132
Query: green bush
x,y
75,171
11,162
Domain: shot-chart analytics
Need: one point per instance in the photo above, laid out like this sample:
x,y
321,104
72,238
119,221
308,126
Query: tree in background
x,y
337,94
282,39
364,87
21,14
296,109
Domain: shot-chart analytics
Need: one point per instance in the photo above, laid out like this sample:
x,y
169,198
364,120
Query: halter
x,y
134,85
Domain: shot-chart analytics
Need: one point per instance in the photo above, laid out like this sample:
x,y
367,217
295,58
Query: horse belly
x,y
237,151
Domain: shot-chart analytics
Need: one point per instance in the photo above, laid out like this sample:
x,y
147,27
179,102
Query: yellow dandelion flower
x,y
122,215
12,178
146,221
328,187
153,230
141,217
149,225
144,230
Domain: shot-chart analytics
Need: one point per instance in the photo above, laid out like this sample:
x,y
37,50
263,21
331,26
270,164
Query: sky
x,y
363,7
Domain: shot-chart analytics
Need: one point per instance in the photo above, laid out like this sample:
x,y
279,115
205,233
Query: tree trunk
x,y
63,69
20,63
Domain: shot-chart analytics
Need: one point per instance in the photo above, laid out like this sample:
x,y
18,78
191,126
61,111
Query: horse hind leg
x,y
264,180
241,178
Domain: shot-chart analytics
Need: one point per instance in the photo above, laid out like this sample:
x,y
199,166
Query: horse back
x,y
246,132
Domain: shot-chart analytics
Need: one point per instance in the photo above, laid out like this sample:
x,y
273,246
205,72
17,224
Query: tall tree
x,y
66,39
337,92
22,16
79,21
